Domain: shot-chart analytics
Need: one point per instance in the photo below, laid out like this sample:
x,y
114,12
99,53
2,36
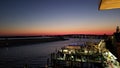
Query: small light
x,y
65,50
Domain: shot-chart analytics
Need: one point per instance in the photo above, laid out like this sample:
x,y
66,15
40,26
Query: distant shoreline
x,y
18,41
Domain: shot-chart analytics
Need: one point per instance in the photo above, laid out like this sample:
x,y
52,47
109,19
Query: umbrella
x,y
109,4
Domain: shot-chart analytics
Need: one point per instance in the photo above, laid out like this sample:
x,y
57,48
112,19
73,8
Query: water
x,y
33,56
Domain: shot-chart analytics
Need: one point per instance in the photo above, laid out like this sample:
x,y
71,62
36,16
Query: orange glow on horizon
x,y
58,31
25,33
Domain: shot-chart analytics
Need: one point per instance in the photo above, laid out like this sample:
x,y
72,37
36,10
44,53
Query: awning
x,y
109,4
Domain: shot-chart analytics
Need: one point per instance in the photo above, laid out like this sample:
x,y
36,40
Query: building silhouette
x,y
116,42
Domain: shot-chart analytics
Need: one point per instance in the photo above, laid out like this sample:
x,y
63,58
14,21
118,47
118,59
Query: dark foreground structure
x,y
113,43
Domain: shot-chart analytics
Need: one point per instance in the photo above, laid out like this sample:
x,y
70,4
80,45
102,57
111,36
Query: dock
x,y
89,54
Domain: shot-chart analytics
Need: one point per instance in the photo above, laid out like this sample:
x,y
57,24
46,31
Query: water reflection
x,y
34,55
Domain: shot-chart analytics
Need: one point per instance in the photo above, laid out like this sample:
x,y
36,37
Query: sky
x,y
56,17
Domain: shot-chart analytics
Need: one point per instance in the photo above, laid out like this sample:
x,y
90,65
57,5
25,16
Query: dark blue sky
x,y
55,17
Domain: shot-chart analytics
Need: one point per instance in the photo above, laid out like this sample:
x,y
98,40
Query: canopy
x,y
109,4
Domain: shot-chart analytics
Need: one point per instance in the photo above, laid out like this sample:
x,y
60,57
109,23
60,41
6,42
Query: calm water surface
x,y
34,55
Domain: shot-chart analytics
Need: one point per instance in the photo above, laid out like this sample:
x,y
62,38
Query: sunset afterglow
x,y
56,17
